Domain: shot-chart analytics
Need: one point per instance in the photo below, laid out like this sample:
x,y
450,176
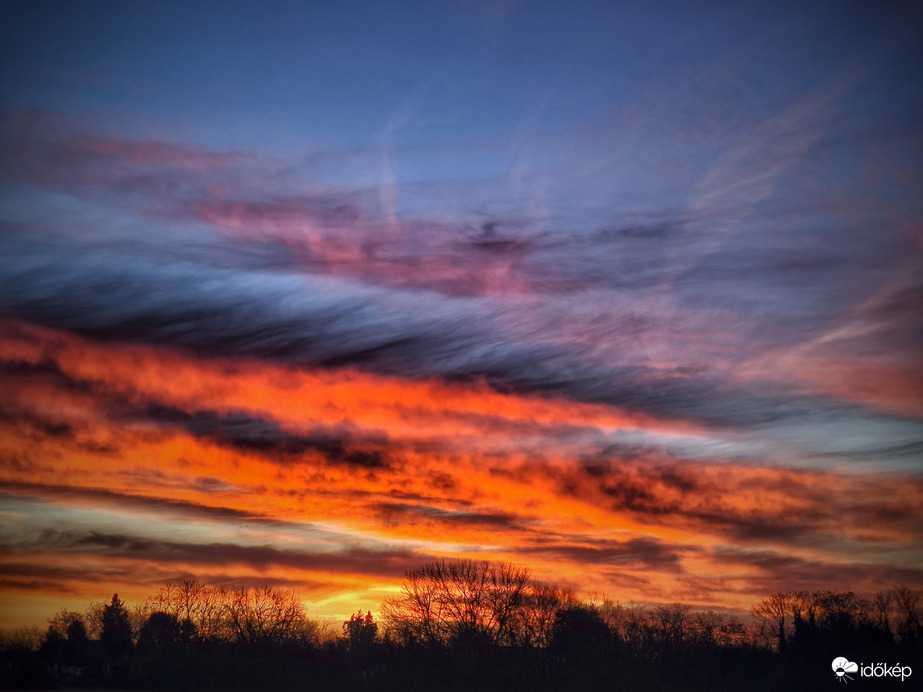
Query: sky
x,y
309,294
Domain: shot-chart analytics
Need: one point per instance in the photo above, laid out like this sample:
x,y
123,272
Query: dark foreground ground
x,y
586,667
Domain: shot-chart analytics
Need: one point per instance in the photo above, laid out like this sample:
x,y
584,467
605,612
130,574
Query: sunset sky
x,y
308,294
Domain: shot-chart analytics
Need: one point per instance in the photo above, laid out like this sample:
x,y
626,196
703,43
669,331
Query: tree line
x,y
459,624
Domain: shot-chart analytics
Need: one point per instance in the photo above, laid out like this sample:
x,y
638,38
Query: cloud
x,y
41,427
383,563
744,175
529,479
588,292
265,437
83,579
46,370
292,318
639,552
60,153
400,513
787,572
749,504
136,502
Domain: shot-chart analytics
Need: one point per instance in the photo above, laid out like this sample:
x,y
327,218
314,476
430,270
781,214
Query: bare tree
x,y
505,595
65,621
534,620
670,623
20,640
190,601
908,608
415,615
264,614
882,605
705,626
460,600
772,612
93,618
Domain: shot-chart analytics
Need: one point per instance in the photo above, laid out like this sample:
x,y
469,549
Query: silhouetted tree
x,y
578,628
21,664
116,630
670,623
908,605
462,601
535,618
160,632
63,620
772,613
52,647
629,624
265,615
360,632
491,628
77,631
93,618
882,604
191,601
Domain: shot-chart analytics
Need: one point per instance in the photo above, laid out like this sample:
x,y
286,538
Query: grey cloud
x,y
644,551
40,426
785,572
410,513
265,437
391,563
140,502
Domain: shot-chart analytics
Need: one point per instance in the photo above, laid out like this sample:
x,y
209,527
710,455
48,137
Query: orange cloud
x,y
164,464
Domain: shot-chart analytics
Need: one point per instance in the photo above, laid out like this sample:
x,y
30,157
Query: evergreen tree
x,y
360,631
116,633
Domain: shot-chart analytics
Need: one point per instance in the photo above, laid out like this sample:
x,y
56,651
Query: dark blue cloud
x,y
330,322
